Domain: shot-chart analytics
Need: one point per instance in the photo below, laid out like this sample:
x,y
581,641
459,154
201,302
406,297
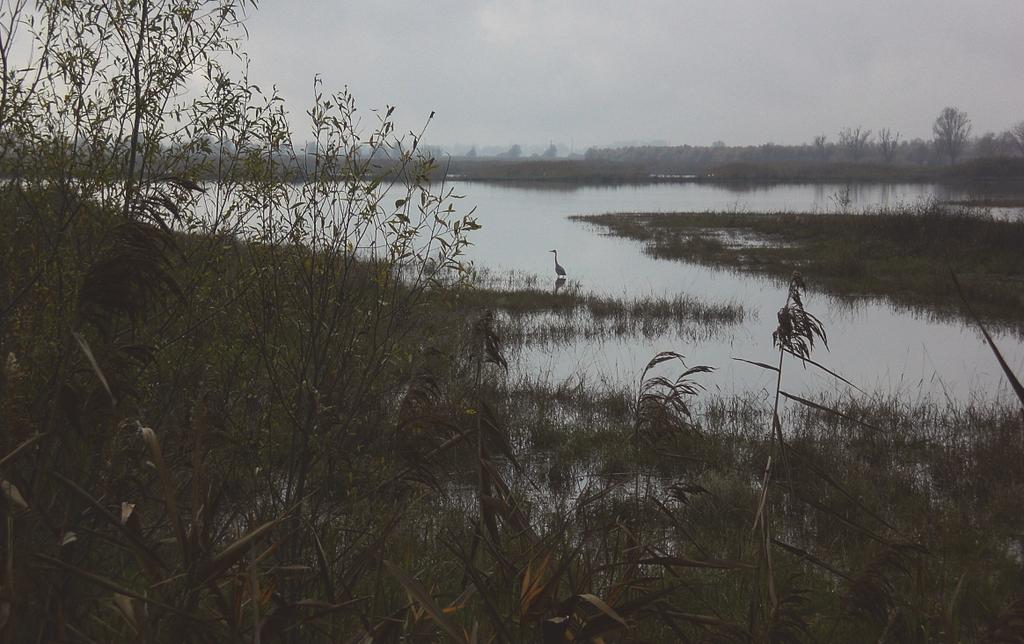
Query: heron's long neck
x,y
556,258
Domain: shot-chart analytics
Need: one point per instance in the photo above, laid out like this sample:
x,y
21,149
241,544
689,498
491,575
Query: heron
x,y
559,270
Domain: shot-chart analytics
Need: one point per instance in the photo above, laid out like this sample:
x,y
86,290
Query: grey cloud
x,y
689,72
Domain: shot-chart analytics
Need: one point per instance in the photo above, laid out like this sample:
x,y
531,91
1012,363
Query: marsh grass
x,y
902,254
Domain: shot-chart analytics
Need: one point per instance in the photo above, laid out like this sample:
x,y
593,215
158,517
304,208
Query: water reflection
x,y
878,346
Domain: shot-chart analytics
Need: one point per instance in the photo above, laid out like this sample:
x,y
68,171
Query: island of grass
x,y
905,254
532,314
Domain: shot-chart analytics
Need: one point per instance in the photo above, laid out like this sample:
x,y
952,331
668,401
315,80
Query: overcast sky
x,y
597,72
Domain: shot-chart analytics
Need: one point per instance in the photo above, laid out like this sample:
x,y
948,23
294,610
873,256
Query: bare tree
x,y
1016,134
854,141
951,129
887,143
819,146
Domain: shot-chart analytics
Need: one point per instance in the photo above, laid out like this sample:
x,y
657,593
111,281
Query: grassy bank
x,y
975,170
545,171
905,255
596,171
990,202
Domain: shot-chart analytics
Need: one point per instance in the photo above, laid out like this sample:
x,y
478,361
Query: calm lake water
x,y
881,349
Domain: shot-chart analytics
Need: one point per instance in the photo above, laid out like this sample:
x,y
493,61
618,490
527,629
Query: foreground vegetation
x,y
876,510
270,410
904,254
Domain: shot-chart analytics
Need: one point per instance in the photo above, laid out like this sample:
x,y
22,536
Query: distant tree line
x,y
951,143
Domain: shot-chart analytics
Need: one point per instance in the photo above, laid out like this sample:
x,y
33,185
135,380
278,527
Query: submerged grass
x,y
563,313
904,254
